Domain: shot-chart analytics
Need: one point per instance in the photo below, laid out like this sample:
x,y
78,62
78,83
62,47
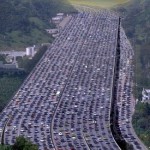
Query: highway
x,y
125,101
65,102
82,109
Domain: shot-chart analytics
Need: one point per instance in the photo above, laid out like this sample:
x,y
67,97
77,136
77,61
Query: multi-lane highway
x,y
65,102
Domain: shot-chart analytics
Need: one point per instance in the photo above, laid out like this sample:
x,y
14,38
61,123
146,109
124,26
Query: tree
x,y
4,147
24,144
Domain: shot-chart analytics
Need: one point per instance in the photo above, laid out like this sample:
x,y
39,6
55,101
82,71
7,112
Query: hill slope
x,y
137,25
23,22
98,3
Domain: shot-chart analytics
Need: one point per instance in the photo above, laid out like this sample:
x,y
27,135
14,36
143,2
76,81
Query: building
x,y
10,69
46,44
146,95
57,19
10,66
7,66
30,51
52,31
60,14
55,35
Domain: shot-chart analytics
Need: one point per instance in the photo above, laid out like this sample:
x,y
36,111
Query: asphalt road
x,y
65,102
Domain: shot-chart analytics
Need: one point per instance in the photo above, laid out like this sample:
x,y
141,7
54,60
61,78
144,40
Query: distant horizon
x,y
98,3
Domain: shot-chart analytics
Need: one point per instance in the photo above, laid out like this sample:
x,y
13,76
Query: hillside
x,y
136,21
98,3
137,25
23,22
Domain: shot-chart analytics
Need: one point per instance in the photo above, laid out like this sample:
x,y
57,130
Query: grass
x,y
8,85
28,19
98,3
18,41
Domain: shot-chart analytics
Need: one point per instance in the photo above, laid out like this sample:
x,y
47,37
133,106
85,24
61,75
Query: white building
x,y
57,19
146,95
60,14
52,31
30,51
7,66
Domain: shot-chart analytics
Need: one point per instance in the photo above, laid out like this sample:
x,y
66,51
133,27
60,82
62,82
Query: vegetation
x,y
98,3
2,58
28,28
23,23
141,122
136,21
137,25
29,64
20,144
8,85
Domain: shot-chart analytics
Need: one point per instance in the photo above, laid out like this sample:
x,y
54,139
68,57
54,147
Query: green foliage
x,y
15,14
8,85
24,144
137,25
29,64
136,21
2,58
5,147
141,122
24,22
20,144
97,3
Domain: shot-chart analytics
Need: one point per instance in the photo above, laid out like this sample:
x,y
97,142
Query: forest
x,y
136,21
8,85
141,122
23,23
